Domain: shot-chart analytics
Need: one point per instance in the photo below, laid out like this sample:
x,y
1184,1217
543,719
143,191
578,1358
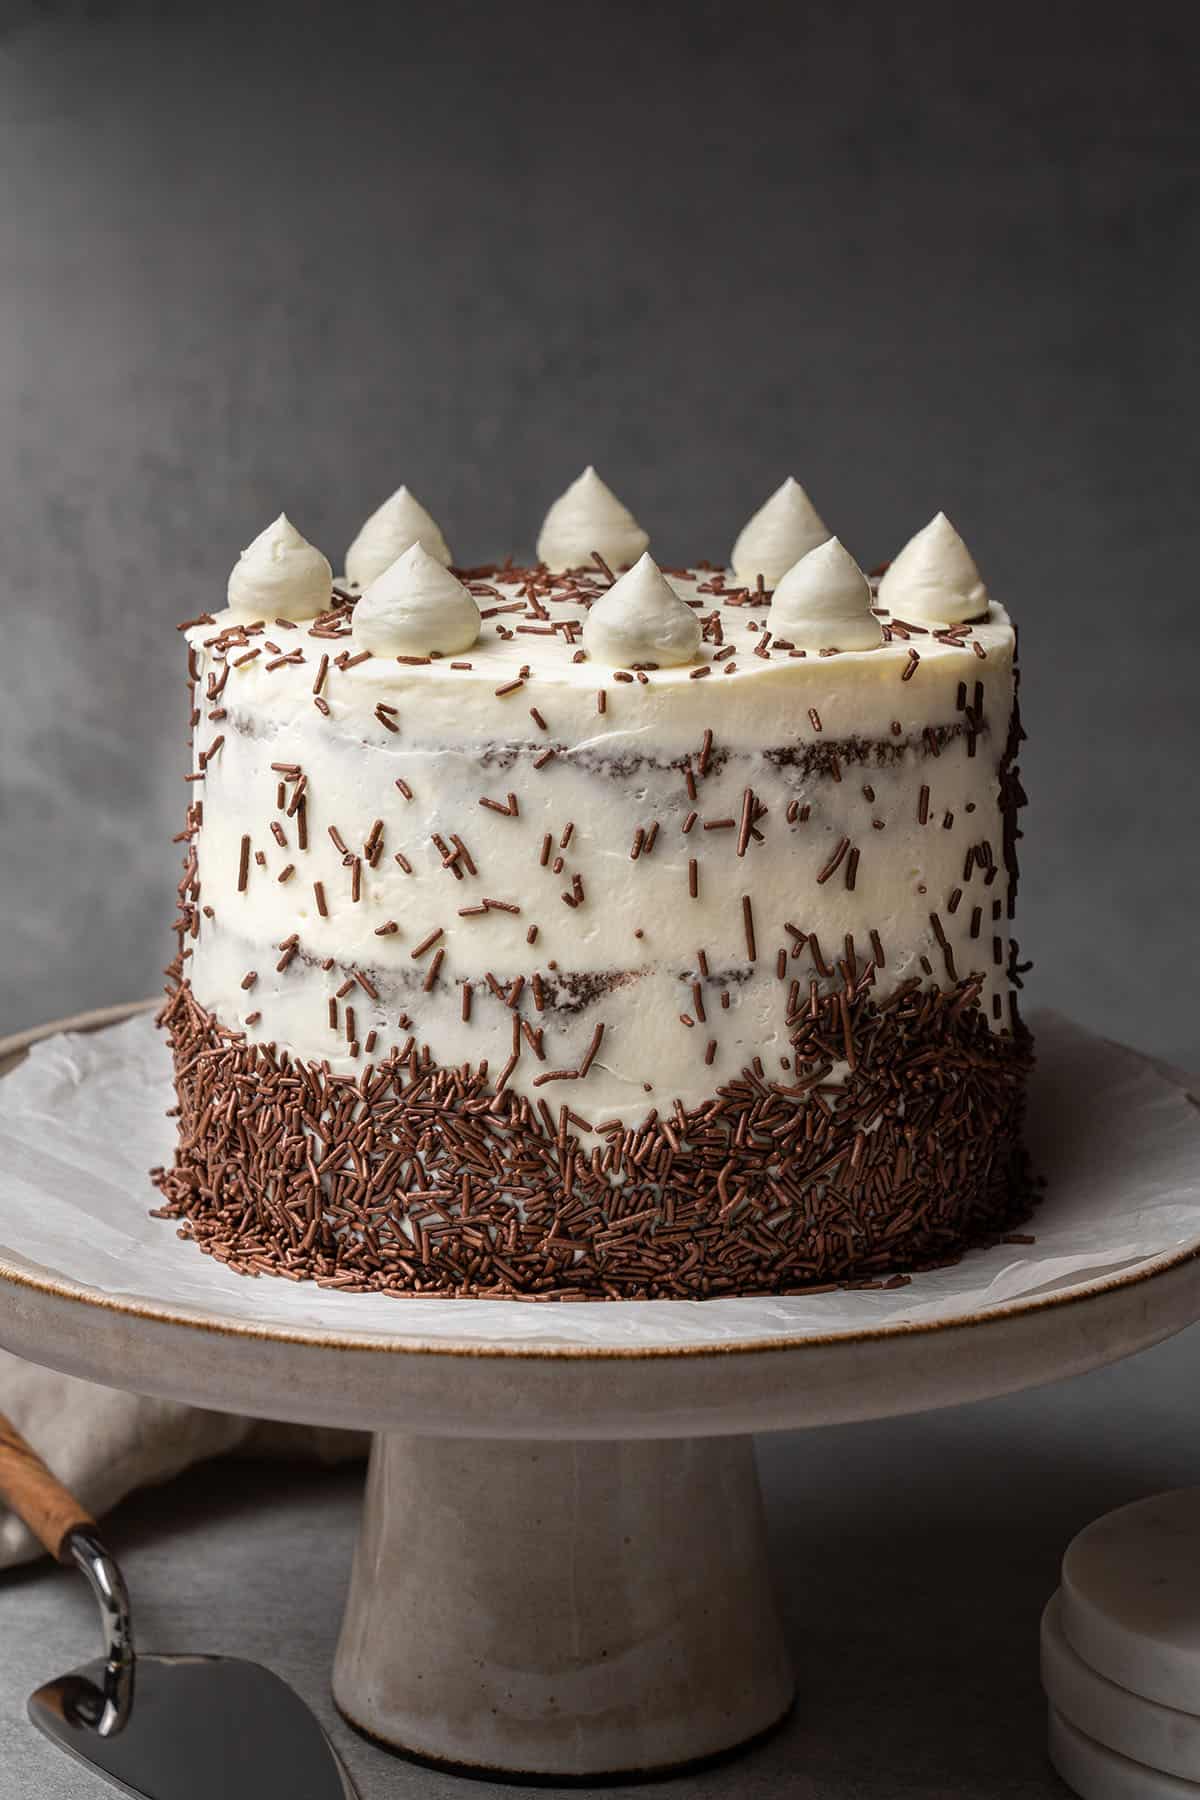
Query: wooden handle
x,y
36,1495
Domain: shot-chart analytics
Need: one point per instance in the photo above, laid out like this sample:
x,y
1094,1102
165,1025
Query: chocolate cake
x,y
590,930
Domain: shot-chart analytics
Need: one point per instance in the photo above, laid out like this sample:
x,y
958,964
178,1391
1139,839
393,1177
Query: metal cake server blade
x,y
163,1727
199,1727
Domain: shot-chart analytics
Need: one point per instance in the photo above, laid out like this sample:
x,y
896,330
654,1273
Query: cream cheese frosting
x,y
641,620
824,602
280,576
604,813
934,578
783,530
400,522
415,608
586,519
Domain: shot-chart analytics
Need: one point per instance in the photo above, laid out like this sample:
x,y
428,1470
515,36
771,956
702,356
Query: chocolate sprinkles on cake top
x,y
517,960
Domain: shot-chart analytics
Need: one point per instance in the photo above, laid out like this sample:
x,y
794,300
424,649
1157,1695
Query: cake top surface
x,y
532,623
597,603
612,633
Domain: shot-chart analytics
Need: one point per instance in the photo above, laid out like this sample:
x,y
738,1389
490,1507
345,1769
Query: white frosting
x,y
280,576
400,522
590,517
934,578
824,602
416,606
641,619
456,735
786,528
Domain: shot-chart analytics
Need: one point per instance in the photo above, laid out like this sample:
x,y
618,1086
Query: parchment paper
x,y
82,1121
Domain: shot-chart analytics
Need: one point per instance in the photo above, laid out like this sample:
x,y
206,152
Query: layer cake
x,y
595,930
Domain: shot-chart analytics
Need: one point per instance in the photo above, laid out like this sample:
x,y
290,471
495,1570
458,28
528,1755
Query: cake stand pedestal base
x,y
559,1609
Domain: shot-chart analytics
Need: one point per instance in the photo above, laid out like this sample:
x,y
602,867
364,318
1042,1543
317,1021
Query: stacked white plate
x,y
1121,1654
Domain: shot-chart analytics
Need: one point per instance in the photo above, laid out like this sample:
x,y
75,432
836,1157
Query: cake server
x,y
162,1727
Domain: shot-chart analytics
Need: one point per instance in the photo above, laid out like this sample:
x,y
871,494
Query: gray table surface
x,y
913,1559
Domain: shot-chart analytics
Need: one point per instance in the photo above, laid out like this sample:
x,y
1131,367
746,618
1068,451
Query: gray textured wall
x,y
255,257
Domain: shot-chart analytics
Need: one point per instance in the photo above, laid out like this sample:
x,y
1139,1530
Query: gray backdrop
x,y
254,258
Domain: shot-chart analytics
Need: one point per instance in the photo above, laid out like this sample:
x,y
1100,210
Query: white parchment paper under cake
x,y
82,1120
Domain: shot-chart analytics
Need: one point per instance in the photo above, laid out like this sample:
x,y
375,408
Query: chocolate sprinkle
x,y
748,927
834,860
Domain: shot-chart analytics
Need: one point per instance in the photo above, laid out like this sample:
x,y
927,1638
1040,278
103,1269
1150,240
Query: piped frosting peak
x,y
783,530
414,608
589,517
400,522
641,619
823,602
280,576
934,577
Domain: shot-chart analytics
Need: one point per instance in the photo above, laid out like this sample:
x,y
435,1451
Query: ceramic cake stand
x,y
562,1566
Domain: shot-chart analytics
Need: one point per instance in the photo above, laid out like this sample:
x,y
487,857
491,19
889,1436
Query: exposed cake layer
x,y
416,1178
608,886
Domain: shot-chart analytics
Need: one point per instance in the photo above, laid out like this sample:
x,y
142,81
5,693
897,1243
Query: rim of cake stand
x,y
13,1048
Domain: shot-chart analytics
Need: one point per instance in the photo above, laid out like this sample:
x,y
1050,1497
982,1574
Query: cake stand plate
x,y
562,1567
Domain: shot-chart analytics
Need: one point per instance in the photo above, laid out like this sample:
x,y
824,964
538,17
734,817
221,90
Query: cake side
x,y
639,868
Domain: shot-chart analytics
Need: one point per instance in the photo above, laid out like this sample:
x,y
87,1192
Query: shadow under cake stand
x,y
562,1566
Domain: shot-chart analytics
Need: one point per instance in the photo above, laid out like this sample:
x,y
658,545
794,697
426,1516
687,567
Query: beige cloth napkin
x,y
104,1443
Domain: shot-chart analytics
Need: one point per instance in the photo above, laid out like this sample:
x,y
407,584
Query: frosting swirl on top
x,y
280,576
388,533
935,578
641,619
589,517
824,603
783,530
414,608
